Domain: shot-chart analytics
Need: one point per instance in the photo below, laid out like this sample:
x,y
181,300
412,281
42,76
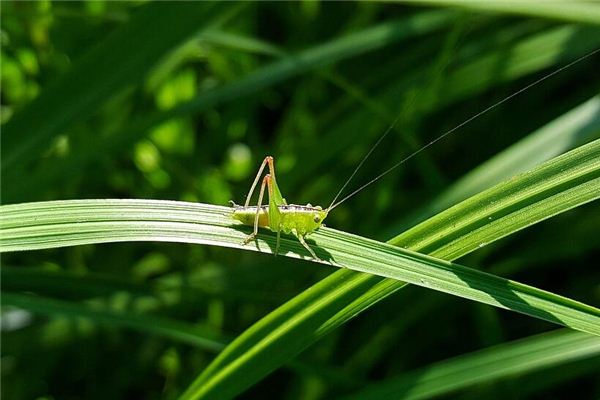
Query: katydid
x,y
300,220
278,215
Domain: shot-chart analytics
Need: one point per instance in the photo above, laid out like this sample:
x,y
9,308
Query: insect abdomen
x,y
246,216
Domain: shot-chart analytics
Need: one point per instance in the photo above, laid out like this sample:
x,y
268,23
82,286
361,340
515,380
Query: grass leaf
x,y
572,11
561,184
342,295
170,328
502,361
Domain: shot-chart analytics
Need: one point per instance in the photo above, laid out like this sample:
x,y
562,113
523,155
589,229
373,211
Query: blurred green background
x,y
183,101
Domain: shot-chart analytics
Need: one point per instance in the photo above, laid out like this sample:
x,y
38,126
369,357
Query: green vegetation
x,y
126,128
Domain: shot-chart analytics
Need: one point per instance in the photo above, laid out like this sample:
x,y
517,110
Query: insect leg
x,y
267,160
260,198
307,247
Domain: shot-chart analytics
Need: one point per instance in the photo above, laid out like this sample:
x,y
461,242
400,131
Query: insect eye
x,y
317,219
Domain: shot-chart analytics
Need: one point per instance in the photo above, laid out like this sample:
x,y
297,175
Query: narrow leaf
x,y
173,329
499,362
356,292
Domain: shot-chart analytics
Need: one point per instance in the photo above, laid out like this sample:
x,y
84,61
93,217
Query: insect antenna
x,y
388,130
449,132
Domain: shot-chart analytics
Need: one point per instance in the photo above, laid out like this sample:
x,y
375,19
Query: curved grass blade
x,y
544,187
342,295
574,176
56,224
66,223
572,11
169,328
69,285
498,362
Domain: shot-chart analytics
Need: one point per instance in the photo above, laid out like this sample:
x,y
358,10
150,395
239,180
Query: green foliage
x,y
163,101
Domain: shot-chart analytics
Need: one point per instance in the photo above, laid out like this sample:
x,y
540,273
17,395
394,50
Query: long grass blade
x,y
342,295
572,179
166,327
499,362
572,11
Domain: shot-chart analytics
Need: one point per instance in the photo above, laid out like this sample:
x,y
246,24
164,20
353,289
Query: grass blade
x,y
572,11
55,224
173,329
572,178
521,197
498,362
339,297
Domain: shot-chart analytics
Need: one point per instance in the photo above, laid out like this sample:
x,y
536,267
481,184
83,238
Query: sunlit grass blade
x,y
544,192
502,361
571,11
575,175
166,327
320,309
67,223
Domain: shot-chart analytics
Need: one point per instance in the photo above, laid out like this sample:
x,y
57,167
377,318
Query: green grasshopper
x,y
300,220
278,215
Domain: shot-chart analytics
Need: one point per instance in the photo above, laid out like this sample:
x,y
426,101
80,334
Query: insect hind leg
x,y
252,236
267,160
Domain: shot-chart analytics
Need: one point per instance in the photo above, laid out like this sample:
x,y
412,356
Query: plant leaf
x,y
502,361
571,11
170,328
318,313
568,180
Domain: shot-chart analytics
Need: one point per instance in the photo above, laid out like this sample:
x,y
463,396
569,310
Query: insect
x,y
301,220
278,215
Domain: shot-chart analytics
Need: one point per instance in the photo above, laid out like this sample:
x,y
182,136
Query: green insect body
x,y
278,216
293,218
